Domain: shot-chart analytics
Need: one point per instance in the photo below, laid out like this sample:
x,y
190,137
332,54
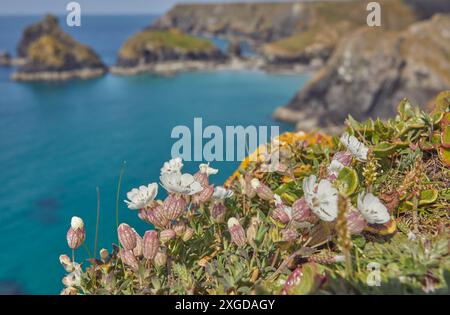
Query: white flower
x,y
140,198
73,279
372,209
172,166
76,223
334,168
355,147
221,193
204,168
321,198
255,183
278,201
180,183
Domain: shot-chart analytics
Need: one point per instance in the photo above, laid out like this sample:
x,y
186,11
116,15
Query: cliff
x,y
371,70
52,54
150,48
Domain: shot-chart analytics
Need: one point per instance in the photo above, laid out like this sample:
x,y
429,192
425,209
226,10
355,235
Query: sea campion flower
x,y
140,198
73,279
66,262
263,191
237,232
129,259
155,216
76,233
355,147
127,236
180,183
372,209
221,193
174,206
355,221
104,254
173,166
289,235
205,195
167,235
281,212
218,212
151,244
202,176
321,198
138,250
179,228
301,211
246,186
188,234
160,259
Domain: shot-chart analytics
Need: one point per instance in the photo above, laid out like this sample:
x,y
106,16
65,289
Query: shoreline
x,y
61,76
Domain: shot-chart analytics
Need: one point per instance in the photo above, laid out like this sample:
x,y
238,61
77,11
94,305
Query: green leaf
x,y
347,181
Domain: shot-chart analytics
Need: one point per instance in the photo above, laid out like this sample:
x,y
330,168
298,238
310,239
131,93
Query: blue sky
x,y
17,7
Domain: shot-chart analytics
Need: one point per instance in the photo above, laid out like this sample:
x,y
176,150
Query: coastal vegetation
x,y
366,212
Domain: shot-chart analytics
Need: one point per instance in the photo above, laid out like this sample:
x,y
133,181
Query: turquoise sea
x,y
58,142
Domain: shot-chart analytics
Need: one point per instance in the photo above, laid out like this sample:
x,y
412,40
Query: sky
x,y
28,7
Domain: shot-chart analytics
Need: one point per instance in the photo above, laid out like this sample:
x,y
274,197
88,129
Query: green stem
x,y
97,223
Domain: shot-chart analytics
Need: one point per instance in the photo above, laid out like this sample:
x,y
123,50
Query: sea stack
x,y
166,51
53,55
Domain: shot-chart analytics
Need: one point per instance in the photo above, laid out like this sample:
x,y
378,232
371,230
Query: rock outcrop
x,y
5,59
371,71
51,54
165,51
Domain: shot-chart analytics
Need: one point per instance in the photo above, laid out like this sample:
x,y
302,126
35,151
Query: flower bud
x,y
138,250
300,211
179,228
174,206
76,223
218,212
156,217
205,195
104,254
66,262
289,235
127,237
246,187
343,157
160,259
151,244
76,234
263,191
129,259
280,214
202,178
252,230
187,234
167,235
237,232
355,222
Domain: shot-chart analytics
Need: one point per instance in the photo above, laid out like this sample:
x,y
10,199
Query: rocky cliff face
x,y
371,70
52,54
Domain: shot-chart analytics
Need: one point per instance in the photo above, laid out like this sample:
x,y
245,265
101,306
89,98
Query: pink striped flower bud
x,y
202,176
104,254
66,262
289,235
138,250
157,217
204,196
160,259
280,214
218,212
343,157
129,259
300,211
355,221
127,237
262,190
188,234
151,244
167,235
174,206
76,233
179,228
237,232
